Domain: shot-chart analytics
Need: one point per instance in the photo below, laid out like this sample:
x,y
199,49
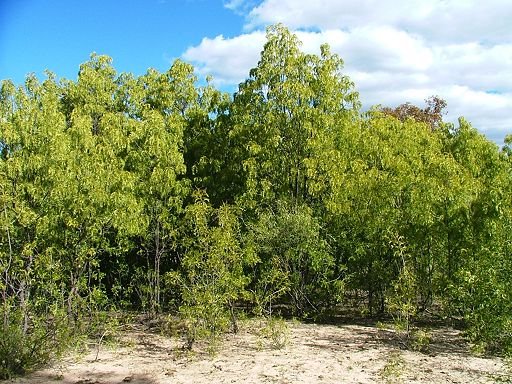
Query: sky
x,y
395,51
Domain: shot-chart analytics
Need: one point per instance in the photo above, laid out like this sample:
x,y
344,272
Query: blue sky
x,y
395,51
60,34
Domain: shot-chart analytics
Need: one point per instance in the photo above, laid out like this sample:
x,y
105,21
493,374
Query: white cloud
x,y
227,60
480,67
239,6
395,51
440,19
489,112
233,4
325,14
230,59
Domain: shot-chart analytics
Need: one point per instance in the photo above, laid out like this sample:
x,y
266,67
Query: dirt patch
x,y
312,354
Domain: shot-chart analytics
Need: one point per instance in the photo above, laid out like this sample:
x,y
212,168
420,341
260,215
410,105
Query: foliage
x,y
393,369
481,292
211,276
294,260
282,114
420,340
155,194
431,115
402,301
23,351
276,331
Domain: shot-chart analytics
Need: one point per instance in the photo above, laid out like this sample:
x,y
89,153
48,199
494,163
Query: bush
x,y
22,351
212,277
295,263
14,352
276,331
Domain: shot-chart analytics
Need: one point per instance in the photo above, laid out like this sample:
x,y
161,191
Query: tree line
x,y
153,193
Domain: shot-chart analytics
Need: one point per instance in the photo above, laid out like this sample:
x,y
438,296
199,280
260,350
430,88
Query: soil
x,y
311,354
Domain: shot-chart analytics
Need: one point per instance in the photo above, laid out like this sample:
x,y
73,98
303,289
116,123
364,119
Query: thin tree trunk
x,y
6,273
24,295
156,277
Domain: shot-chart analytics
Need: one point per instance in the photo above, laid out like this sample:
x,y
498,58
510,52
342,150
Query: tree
x,y
300,200
159,104
208,151
212,277
431,115
295,265
479,289
282,114
58,181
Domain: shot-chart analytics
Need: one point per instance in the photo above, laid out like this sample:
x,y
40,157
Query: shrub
x,y
212,276
24,350
277,332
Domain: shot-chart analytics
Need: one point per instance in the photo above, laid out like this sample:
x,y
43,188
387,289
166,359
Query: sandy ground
x,y
312,354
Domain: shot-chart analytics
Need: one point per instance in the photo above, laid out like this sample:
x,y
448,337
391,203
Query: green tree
x,y
98,210
295,264
30,124
208,150
159,104
58,184
281,115
479,289
211,277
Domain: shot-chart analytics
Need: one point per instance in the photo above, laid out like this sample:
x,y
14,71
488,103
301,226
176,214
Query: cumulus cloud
x,y
227,60
374,49
395,51
439,19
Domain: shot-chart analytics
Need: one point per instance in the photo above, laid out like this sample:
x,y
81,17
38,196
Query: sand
x,y
311,354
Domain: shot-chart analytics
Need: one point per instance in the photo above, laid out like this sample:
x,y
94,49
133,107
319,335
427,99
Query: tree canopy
x,y
154,193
